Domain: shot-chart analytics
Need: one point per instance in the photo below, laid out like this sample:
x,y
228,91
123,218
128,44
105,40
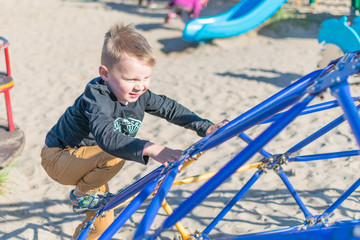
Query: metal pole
x,y
342,94
155,204
323,156
296,196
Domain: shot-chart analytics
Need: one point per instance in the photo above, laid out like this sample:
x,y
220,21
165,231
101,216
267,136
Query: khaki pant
x,y
88,168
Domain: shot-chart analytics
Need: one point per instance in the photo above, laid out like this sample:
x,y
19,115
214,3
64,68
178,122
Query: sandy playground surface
x,y
55,49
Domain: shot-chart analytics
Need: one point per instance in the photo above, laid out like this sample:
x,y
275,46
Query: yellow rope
x,y
186,163
208,175
197,178
126,202
184,234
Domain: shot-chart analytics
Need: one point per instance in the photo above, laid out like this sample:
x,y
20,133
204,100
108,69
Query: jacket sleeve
x,y
172,111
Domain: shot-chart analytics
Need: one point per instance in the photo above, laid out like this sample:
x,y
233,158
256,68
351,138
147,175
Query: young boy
x,y
186,9
94,137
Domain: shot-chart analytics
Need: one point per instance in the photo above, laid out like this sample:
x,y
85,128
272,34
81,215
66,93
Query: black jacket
x,y
98,118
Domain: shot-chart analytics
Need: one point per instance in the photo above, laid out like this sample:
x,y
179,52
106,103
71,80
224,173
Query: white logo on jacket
x,y
127,126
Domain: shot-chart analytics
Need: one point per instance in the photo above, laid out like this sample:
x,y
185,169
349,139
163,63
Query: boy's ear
x,y
104,73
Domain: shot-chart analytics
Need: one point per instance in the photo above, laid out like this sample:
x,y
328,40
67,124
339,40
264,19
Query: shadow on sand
x,y
280,79
51,222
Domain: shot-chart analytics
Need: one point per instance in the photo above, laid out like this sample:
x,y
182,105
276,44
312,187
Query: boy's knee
x,y
48,159
113,162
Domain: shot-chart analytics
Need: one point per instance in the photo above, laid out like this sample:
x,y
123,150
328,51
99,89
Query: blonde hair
x,y
121,41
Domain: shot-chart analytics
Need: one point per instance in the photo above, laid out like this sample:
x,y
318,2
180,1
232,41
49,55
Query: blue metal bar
x,y
308,110
200,194
341,199
129,210
291,189
345,231
261,235
233,201
347,223
262,111
316,135
133,188
84,233
248,140
342,94
323,106
155,204
325,156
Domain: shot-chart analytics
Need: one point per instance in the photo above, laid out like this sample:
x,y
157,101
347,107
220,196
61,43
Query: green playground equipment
x,y
343,33
355,7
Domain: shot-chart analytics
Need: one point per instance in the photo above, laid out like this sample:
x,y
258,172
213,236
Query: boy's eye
x,y
136,80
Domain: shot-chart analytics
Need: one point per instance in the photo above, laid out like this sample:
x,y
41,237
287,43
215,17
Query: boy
x,y
93,138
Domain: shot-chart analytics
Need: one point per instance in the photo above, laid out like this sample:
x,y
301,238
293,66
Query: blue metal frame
x,y
295,98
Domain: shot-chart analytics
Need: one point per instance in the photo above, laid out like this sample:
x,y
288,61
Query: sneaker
x,y
89,202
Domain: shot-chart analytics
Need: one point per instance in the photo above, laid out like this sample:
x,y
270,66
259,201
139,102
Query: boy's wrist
x,y
147,149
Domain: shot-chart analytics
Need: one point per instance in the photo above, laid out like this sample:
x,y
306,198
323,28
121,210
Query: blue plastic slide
x,y
341,33
241,18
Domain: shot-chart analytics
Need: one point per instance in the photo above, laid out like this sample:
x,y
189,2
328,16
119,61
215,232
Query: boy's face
x,y
128,79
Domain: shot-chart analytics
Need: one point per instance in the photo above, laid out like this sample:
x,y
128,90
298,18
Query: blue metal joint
x,y
202,236
344,67
273,162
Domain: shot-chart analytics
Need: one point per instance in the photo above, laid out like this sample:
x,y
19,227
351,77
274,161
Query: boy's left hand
x,y
215,127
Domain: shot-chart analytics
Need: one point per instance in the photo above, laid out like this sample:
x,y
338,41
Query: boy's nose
x,y
139,86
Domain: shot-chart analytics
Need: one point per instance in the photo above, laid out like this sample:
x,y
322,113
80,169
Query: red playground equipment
x,y
7,83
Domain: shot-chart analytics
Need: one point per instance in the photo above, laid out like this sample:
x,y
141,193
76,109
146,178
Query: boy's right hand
x,y
161,153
